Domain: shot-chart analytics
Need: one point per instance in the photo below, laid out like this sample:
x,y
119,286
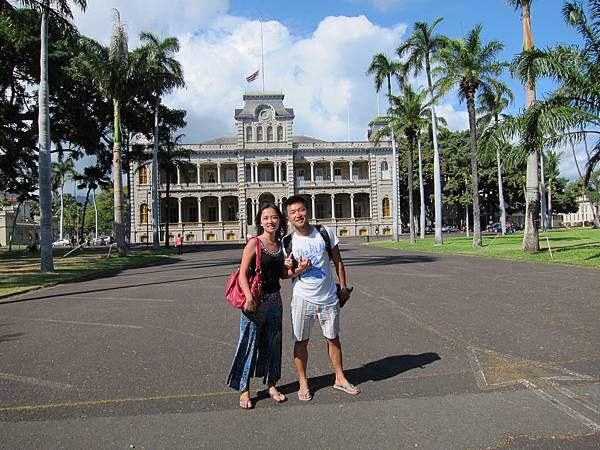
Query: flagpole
x,y
262,57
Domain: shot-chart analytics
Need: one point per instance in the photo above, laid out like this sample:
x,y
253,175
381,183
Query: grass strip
x,y
579,247
20,272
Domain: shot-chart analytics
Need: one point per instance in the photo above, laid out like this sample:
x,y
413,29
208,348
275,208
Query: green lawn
x,y
20,271
579,247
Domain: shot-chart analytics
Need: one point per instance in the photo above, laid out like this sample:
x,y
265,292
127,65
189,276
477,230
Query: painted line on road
x,y
35,381
75,322
113,401
185,333
87,297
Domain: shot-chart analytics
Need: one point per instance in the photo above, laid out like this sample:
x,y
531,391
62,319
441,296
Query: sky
x,y
315,52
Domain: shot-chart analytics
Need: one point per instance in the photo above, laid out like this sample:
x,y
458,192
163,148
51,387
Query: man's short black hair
x,y
294,199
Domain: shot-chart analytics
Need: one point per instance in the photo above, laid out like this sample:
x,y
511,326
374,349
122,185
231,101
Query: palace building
x,y
216,193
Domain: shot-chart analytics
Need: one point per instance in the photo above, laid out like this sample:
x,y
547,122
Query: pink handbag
x,y
233,290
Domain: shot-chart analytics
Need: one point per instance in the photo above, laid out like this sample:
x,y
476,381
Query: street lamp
x,y
147,219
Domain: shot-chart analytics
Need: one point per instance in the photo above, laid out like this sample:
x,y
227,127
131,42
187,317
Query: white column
x,y
220,214
178,176
279,171
350,164
251,172
331,170
179,209
219,174
312,202
256,172
274,171
332,204
351,205
312,171
199,209
198,172
370,208
254,211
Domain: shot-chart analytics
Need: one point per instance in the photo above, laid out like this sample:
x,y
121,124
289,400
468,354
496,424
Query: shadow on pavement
x,y
387,260
379,370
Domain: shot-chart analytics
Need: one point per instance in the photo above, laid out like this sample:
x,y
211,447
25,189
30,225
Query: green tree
x,y
384,69
491,104
62,169
421,48
164,73
62,9
471,65
92,178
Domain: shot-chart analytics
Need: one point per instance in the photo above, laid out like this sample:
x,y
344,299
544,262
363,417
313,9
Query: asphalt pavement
x,y
450,353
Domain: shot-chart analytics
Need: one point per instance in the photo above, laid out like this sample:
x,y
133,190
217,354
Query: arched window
x,y
143,174
248,133
280,133
269,133
385,173
259,134
144,213
386,207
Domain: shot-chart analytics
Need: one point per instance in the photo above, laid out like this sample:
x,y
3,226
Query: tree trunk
x,y
500,188
118,182
87,196
437,173
395,208
62,208
155,193
468,228
421,192
95,215
167,212
411,212
45,160
14,226
532,198
543,193
550,213
474,171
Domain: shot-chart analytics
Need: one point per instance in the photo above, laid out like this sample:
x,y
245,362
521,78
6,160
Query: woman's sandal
x,y
347,388
246,404
304,395
278,398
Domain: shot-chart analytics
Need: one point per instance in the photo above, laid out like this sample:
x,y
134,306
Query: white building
x,y
216,195
583,216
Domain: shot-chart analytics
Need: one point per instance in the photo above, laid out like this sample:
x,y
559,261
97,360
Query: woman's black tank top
x,y
272,264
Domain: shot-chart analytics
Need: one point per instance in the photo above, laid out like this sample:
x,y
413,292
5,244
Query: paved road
x,y
450,352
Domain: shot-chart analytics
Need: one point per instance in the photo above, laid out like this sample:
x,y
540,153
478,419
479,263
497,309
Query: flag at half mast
x,y
254,76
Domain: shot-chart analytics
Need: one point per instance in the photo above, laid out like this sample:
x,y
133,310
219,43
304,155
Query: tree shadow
x,y
379,370
10,337
380,260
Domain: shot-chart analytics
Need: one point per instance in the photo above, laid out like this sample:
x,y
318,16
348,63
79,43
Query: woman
x,y
258,352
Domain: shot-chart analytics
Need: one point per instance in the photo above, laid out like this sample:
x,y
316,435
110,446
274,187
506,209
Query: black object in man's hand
x,y
339,290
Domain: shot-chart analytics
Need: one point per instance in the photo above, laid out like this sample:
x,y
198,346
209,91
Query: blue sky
x,y
316,52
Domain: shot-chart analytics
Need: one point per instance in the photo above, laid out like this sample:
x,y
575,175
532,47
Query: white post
x,y
331,170
219,173
352,206
198,172
312,202
179,210
199,210
95,214
312,171
350,165
220,215
178,176
332,204
280,171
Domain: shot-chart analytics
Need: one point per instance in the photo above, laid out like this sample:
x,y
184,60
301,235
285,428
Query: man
x,y
314,294
179,244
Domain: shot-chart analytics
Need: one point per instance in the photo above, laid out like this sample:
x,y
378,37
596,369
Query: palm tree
x,y
552,162
383,69
92,177
112,71
60,10
61,169
165,73
532,196
409,114
471,66
491,105
421,48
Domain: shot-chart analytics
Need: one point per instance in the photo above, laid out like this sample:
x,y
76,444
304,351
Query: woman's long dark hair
x,y
283,225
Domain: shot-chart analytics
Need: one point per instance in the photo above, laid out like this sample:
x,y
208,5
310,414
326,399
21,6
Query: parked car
x,y
102,240
497,228
61,243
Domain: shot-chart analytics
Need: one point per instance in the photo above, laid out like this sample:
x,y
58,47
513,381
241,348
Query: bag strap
x,y
258,255
325,235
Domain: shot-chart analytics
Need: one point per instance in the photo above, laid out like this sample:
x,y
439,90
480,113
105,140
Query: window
x,y
212,213
173,213
211,176
385,173
143,171
230,175
355,173
280,133
259,134
231,213
144,214
269,134
248,173
193,214
265,174
248,134
386,207
320,210
337,173
300,175
339,211
319,174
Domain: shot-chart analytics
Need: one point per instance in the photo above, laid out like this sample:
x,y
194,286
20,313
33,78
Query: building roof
x,y
254,100
223,140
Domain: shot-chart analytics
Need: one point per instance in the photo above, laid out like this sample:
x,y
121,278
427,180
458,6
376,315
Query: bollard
x,y
366,238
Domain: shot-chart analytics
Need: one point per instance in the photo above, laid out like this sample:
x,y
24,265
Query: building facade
x,y
584,215
215,194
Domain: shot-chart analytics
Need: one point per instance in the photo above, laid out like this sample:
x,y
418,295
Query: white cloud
x,y
457,120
